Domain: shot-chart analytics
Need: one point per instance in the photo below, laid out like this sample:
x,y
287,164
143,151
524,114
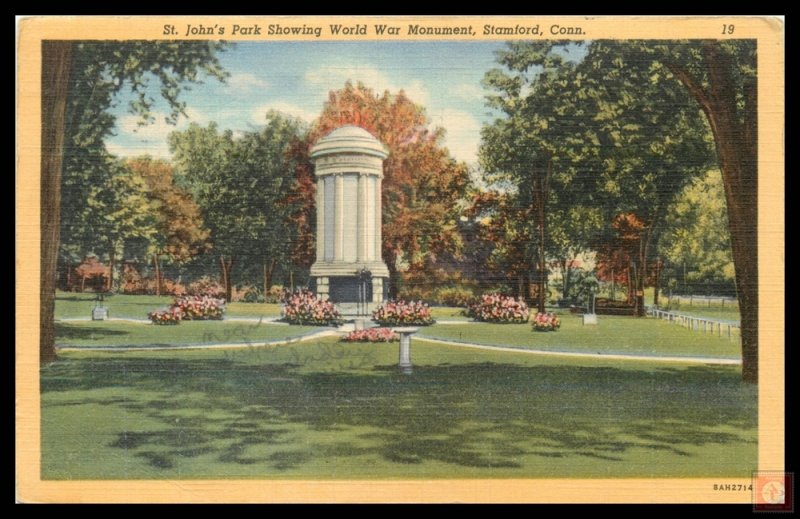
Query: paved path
x,y
609,356
264,320
332,332
221,346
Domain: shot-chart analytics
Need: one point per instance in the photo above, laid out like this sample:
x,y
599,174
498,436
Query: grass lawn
x,y
329,410
644,336
448,313
72,305
116,333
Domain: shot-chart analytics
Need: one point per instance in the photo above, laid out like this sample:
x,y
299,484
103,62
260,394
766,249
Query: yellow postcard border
x,y
771,63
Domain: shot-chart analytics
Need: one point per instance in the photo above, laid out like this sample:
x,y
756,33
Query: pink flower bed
x,y
303,307
170,316
546,322
371,335
394,313
200,308
497,308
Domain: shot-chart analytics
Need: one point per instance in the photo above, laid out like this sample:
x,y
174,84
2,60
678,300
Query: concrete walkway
x,y
264,320
338,332
221,346
605,356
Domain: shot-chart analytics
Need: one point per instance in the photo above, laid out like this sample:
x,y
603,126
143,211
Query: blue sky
x,y
295,78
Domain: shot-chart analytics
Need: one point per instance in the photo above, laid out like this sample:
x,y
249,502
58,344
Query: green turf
x,y
72,305
448,313
329,410
117,333
644,336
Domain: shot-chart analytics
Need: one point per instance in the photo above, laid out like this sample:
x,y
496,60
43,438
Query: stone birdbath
x,y
405,332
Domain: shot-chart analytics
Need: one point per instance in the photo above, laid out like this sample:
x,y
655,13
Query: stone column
x,y
338,237
378,238
320,219
363,212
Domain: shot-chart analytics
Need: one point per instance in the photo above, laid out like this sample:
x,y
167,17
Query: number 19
x,y
727,29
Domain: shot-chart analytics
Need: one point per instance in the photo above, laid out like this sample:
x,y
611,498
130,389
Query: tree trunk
x,y
657,282
541,188
157,268
737,152
565,277
56,59
641,272
110,280
268,271
226,265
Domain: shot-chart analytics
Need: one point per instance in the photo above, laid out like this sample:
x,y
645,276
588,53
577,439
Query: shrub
x,y
276,294
497,308
173,288
170,316
546,322
200,308
254,295
131,282
205,286
394,313
454,296
371,335
303,307
238,293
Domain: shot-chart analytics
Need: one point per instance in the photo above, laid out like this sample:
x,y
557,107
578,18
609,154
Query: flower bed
x,y
171,316
371,335
303,307
405,313
200,308
497,308
546,322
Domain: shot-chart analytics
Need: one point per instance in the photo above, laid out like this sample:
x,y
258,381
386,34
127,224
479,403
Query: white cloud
x,y
463,133
333,77
149,139
246,82
287,108
196,116
467,92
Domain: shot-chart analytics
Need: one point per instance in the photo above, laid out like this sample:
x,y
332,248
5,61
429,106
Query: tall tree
x,y
179,231
423,186
241,185
721,78
529,149
79,81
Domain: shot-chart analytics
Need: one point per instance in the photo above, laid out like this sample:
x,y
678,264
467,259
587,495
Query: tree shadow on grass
x,y
481,415
74,332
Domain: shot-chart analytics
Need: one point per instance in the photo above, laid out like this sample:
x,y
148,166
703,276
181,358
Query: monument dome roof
x,y
349,139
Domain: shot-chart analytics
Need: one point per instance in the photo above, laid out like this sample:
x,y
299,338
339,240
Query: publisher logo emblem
x,y
773,491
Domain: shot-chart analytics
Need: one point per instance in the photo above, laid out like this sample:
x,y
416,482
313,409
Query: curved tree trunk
x,y
56,59
737,152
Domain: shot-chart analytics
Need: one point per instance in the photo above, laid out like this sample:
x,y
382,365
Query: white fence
x,y
702,324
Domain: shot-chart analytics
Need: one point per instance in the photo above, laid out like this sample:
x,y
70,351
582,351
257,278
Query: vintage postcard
x,y
400,259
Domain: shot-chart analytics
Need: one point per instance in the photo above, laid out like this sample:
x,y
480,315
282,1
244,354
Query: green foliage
x,y
98,196
696,236
241,185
